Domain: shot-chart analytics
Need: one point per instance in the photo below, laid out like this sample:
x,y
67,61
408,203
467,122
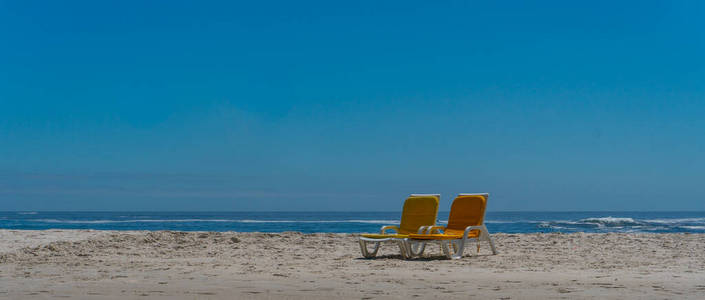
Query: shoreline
x,y
292,265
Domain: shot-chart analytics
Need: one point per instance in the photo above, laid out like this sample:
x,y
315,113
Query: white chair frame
x,y
458,245
399,241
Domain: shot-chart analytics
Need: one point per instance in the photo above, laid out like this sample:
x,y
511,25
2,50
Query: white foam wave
x,y
511,222
677,221
625,224
611,221
128,221
592,224
693,227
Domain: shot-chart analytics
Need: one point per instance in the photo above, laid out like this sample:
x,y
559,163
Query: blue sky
x,y
268,105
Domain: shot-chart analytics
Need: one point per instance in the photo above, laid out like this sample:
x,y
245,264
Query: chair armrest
x,y
385,228
481,228
432,228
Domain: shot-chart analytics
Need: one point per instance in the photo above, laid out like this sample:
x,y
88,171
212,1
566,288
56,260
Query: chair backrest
x,y
419,210
467,210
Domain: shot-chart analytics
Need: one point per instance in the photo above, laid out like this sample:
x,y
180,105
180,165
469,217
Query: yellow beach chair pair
x,y
465,224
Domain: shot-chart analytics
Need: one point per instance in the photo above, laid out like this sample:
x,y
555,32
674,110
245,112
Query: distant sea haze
x,y
352,222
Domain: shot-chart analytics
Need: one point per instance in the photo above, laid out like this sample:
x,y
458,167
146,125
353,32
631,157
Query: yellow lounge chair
x,y
465,223
419,213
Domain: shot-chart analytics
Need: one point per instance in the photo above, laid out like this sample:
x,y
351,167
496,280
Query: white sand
x,y
177,265
11,240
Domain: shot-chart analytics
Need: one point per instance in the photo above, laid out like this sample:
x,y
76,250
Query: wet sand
x,y
207,265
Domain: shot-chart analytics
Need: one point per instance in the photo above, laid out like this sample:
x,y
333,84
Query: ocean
x,y
352,222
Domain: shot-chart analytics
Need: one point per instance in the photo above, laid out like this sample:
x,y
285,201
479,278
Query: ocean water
x,y
352,222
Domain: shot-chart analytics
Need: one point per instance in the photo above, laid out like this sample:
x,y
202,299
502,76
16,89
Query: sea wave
x,y
625,224
677,221
512,222
608,222
693,227
611,221
354,222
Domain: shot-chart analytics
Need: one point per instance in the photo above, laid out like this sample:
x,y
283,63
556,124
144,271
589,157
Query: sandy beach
x,y
291,265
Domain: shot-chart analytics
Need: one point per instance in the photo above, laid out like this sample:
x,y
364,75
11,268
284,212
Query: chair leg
x,y
494,251
446,251
366,253
487,237
416,248
460,248
407,248
402,250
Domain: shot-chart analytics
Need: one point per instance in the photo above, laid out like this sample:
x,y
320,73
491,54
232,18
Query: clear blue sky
x,y
259,105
